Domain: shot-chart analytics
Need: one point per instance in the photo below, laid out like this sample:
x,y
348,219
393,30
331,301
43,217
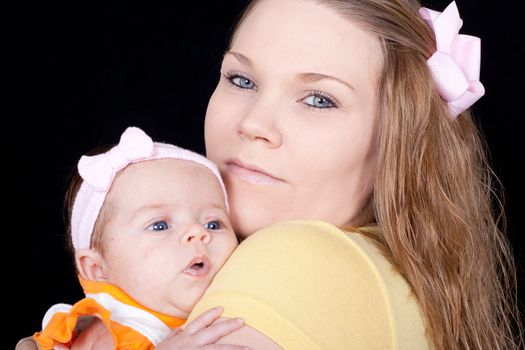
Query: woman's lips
x,y
198,267
250,173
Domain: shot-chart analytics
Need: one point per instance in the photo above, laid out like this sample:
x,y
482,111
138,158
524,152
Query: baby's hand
x,y
201,334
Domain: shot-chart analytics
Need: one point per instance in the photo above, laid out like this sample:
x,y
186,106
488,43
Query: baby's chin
x,y
169,308
182,307
180,314
174,311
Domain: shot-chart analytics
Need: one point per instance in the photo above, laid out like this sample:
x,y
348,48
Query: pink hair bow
x,y
99,170
456,63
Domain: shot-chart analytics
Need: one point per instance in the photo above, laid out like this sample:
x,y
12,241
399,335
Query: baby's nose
x,y
196,233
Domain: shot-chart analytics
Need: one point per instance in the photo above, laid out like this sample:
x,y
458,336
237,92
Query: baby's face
x,y
168,235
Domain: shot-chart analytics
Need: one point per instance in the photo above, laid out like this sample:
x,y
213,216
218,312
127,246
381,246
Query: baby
x,y
150,229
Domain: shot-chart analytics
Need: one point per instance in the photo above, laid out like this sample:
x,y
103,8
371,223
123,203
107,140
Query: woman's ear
x,y
91,265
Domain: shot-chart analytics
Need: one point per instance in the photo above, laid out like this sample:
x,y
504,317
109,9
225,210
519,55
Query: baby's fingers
x,y
203,320
216,331
225,347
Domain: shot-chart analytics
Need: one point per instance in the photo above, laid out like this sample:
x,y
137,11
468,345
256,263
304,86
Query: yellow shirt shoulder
x,y
309,285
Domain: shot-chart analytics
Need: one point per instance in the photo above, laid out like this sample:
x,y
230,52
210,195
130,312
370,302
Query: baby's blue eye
x,y
213,225
319,101
242,82
159,226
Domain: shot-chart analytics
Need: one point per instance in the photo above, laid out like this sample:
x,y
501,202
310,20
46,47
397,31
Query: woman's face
x,y
292,121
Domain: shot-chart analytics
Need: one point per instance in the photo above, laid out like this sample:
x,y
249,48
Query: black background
x,y
78,73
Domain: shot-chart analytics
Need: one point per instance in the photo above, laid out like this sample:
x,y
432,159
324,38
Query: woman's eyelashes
x,y
240,81
319,100
315,99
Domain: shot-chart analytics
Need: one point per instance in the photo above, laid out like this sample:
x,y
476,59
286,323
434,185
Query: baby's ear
x,y
90,265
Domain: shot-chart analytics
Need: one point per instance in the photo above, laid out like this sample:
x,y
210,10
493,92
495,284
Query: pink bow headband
x,y
456,63
99,171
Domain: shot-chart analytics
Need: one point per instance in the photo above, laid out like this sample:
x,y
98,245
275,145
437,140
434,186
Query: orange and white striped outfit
x,y
133,326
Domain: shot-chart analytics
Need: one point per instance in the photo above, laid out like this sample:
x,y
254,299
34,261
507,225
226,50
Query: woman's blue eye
x,y
319,101
159,226
213,225
242,82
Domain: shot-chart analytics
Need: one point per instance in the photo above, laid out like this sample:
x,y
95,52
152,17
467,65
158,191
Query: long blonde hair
x,y
435,196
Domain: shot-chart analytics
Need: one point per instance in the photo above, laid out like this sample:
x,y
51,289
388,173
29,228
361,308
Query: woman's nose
x,y
196,233
260,124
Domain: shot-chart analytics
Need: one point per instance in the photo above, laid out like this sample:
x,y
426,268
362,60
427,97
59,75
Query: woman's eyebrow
x,y
305,77
313,77
240,57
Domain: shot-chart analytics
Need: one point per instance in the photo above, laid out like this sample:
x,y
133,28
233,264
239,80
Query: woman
x,y
334,102
329,110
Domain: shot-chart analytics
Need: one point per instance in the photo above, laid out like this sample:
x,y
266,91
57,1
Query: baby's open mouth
x,y
198,267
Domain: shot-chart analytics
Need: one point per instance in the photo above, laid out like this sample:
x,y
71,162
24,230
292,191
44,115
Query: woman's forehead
x,y
302,37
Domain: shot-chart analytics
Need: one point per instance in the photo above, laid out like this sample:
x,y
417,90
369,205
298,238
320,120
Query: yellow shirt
x,y
309,285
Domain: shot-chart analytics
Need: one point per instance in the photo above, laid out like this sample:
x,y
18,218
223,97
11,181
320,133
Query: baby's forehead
x,y
171,168
168,174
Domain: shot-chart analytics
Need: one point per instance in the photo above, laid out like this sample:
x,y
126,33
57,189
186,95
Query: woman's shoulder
x,y
298,227
308,245
290,277
319,242
303,236
366,265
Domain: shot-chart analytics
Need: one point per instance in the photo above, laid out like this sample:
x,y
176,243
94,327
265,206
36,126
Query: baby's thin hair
x,y
75,181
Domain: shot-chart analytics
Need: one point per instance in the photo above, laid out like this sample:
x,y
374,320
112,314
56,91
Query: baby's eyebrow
x,y
313,77
150,207
240,57
217,207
